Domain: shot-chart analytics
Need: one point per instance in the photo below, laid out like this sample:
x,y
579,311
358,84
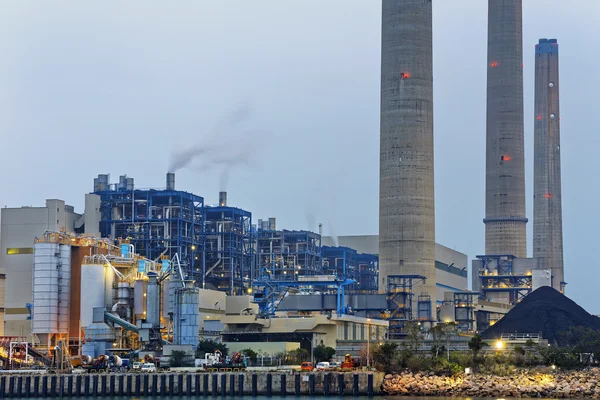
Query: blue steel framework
x,y
496,275
228,256
345,262
268,293
284,255
156,222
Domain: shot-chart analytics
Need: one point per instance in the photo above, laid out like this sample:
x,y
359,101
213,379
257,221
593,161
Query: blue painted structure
x,y
268,293
229,255
155,221
348,263
284,255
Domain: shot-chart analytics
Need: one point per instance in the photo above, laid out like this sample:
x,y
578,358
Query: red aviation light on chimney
x,y
548,195
494,64
405,75
539,118
505,157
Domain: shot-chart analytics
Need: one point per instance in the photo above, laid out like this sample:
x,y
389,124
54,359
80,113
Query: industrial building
x,y
547,196
285,254
228,256
19,229
156,221
406,200
450,265
505,218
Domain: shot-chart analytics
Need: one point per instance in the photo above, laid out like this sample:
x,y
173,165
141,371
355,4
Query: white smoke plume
x,y
224,148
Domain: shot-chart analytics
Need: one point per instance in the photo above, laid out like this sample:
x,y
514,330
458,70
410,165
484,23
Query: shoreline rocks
x,y
522,384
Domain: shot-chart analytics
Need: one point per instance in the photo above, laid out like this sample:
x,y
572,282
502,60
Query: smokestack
x,y
505,221
170,181
406,199
547,193
272,225
223,199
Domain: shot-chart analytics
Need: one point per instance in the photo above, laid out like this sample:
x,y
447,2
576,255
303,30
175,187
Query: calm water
x,y
290,397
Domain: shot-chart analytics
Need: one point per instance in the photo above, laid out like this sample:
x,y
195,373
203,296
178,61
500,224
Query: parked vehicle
x,y
136,366
335,365
307,366
148,367
217,361
323,366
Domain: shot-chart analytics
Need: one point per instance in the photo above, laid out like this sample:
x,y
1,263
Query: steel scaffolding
x,y
284,255
348,263
400,300
228,249
156,222
496,276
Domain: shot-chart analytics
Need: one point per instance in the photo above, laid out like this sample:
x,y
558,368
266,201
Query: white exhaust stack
x,y
223,199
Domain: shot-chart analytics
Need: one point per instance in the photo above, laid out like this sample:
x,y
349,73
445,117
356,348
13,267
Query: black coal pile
x,y
544,310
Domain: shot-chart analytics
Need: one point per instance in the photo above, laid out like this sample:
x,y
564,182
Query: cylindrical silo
x,y
92,291
272,224
64,288
153,300
186,319
45,288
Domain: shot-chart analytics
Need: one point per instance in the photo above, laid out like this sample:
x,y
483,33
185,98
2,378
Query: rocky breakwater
x,y
524,384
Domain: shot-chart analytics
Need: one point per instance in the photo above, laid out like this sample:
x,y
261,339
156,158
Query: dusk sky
x,y
282,100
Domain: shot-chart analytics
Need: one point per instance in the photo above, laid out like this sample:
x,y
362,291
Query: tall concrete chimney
x,y
505,220
547,197
170,181
223,199
406,199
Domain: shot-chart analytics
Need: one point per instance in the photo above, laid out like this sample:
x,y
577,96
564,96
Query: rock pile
x,y
578,384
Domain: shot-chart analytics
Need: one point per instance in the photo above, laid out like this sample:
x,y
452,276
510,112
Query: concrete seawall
x,y
188,384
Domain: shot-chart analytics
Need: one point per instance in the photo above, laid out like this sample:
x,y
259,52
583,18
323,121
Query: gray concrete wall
x,y
406,201
505,218
547,192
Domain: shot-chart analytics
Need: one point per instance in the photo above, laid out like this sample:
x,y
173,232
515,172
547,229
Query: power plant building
x,y
505,218
406,202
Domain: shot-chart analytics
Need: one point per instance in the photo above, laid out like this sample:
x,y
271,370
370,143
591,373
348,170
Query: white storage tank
x,y
64,288
92,291
51,288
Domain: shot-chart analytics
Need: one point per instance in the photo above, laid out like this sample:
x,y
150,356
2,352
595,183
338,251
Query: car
x,y
136,366
307,366
148,367
323,366
335,365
